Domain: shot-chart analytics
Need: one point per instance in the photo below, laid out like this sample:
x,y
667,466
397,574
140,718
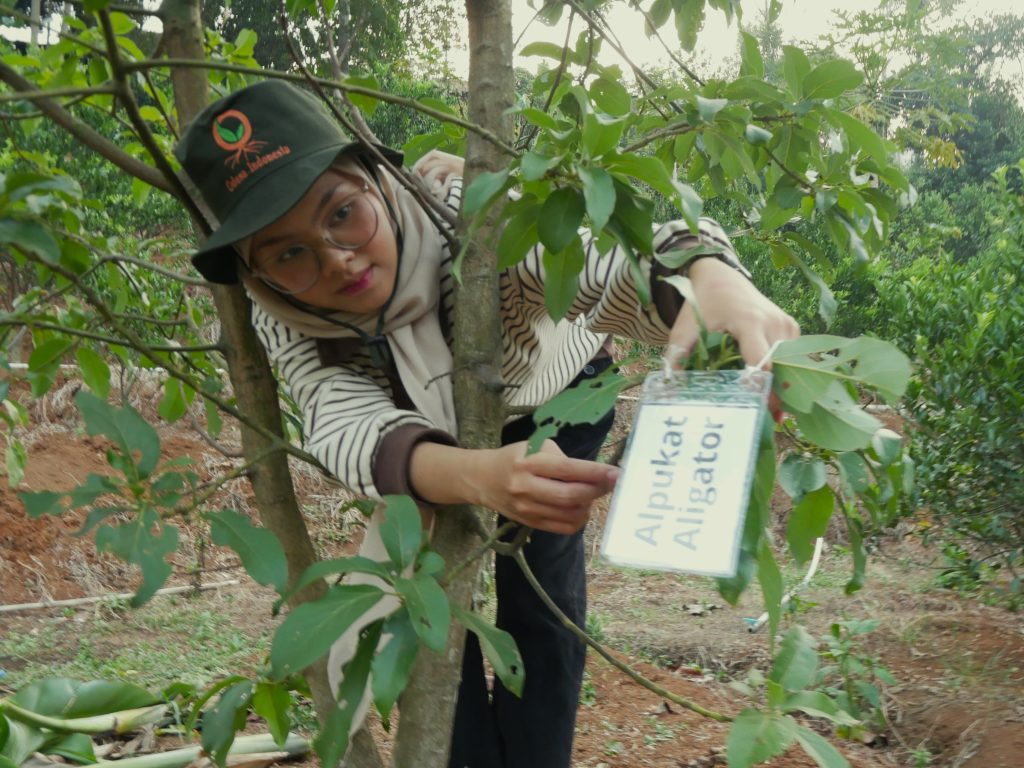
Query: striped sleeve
x,y
346,410
608,301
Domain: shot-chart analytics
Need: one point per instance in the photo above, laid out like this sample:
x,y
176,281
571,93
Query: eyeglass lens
x,y
296,269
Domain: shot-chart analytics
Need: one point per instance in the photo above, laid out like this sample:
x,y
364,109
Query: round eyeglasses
x,y
295,269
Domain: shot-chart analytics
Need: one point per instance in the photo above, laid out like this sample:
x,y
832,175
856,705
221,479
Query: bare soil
x,y
959,665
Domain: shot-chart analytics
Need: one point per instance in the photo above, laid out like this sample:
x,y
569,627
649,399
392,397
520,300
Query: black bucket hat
x,y
252,156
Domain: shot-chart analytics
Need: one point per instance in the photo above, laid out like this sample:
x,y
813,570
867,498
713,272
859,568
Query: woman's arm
x,y
729,302
546,490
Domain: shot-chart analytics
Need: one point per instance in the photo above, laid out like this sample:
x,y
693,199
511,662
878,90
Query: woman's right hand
x,y
546,490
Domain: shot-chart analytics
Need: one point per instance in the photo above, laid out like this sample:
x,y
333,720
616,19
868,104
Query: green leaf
x,y
799,474
887,446
586,403
70,699
484,187
757,135
534,165
783,254
499,648
76,747
837,423
855,531
770,578
830,79
541,48
173,404
342,565
797,661
823,753
817,704
309,631
758,736
560,217
795,67
879,365
333,740
21,743
751,63
860,136
709,108
95,371
393,663
224,718
429,563
854,473
561,278
272,702
401,530
145,542
30,237
259,549
599,195
809,521
39,503
611,96
689,20
367,104
805,368
428,608
48,355
518,237
15,458
129,431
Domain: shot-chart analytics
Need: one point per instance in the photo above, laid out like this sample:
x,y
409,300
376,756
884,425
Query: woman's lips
x,y
360,284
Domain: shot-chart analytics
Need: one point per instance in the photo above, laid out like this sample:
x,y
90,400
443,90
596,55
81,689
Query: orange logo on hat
x,y
232,132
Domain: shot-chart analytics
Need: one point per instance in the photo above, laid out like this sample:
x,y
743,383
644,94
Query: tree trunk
x,y
251,377
428,705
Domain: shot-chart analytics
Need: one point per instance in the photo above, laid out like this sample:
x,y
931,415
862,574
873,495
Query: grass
x,y
196,641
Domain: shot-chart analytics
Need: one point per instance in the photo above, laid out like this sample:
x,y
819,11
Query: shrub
x,y
964,321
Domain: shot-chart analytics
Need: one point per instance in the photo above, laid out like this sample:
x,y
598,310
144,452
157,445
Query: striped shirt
x,y
349,410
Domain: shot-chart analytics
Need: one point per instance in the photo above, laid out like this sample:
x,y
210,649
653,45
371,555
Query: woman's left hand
x,y
729,302
435,167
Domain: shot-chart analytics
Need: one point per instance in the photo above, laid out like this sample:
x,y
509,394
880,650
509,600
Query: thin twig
x,y
81,333
124,95
402,101
477,553
439,214
569,624
136,343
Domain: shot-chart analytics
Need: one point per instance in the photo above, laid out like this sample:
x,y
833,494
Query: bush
x,y
964,320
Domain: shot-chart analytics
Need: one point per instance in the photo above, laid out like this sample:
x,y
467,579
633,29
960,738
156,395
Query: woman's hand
x,y
546,490
435,167
729,302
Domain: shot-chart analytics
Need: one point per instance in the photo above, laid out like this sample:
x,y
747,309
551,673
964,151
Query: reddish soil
x,y
959,665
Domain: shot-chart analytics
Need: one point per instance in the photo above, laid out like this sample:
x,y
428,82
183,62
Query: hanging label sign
x,y
682,496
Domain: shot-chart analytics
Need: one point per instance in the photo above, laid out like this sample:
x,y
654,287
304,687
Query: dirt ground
x,y
958,700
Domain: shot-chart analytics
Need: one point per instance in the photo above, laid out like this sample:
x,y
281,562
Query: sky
x,y
800,20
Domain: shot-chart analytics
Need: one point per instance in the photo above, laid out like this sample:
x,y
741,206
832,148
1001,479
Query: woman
x,y
352,292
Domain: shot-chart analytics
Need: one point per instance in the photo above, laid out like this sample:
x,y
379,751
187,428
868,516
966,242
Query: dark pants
x,y
536,731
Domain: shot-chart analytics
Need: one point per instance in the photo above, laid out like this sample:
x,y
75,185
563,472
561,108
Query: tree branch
x,y
86,135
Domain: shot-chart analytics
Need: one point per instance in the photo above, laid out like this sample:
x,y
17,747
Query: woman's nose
x,y
334,258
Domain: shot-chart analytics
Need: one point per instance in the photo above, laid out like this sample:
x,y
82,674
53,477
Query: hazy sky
x,y
800,20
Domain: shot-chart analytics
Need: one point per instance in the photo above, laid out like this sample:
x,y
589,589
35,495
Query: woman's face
x,y
356,277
